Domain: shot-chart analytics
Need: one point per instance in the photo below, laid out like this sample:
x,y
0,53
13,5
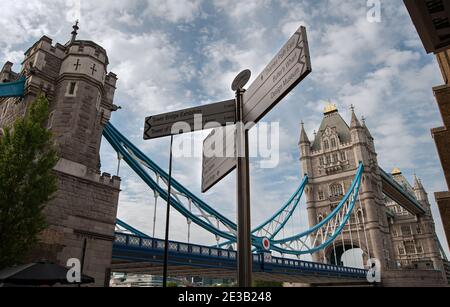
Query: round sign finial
x,y
241,80
266,244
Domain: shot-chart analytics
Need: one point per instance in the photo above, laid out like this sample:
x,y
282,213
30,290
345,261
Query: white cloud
x,y
174,10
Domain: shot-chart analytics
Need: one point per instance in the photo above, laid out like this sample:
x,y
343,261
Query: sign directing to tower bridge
x,y
213,115
289,67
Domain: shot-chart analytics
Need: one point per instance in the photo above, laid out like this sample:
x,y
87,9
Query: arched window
x,y
326,145
333,143
335,158
336,190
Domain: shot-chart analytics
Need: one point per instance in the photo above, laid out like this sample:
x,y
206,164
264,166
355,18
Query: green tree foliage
x,y
27,157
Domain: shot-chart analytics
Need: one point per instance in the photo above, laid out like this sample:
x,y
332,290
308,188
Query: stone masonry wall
x,y
73,217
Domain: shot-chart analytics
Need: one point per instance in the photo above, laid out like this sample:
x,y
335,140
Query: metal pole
x,y
243,199
83,256
166,244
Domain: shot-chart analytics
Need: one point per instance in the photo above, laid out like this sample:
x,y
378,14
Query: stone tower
x,y
414,237
400,240
82,215
331,161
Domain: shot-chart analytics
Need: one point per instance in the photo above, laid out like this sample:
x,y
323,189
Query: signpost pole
x,y
243,199
166,243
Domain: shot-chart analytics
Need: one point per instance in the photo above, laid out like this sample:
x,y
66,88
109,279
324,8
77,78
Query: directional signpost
x,y
219,156
226,149
213,115
290,66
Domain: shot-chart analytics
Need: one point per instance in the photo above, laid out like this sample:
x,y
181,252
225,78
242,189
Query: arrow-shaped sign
x,y
192,119
290,66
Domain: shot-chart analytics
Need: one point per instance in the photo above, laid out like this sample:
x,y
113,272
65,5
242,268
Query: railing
x,y
135,242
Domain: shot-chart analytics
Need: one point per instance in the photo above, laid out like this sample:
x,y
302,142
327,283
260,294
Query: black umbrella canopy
x,y
39,274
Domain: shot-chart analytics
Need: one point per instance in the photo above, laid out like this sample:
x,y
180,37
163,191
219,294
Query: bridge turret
x,y
419,190
82,213
359,140
305,150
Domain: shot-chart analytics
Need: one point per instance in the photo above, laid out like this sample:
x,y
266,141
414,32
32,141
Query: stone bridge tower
x,y
82,215
331,161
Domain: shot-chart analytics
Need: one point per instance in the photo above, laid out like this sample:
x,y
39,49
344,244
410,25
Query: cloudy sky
x,y
171,54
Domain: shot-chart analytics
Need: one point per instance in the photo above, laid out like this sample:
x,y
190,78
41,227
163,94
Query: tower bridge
x,y
354,207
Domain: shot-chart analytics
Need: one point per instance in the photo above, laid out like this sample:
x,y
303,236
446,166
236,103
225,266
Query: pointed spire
x,y
355,122
74,32
418,183
303,136
364,119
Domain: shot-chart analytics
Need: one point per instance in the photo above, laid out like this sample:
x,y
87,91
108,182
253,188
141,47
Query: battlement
x,y
111,79
88,48
45,44
113,181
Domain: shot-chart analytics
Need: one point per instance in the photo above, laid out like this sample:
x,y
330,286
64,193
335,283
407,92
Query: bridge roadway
x,y
400,195
143,255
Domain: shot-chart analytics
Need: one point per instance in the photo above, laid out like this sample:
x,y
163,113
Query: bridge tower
x,y
331,161
82,215
416,244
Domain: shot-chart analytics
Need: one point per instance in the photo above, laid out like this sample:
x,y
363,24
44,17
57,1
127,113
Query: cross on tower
x,y
77,64
93,69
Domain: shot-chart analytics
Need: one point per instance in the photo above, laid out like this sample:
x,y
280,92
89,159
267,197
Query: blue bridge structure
x,y
137,252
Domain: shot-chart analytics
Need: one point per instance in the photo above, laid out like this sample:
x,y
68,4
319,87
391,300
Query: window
x,y
321,195
333,143
406,230
401,250
335,158
328,160
343,156
435,6
322,161
419,248
326,145
419,230
410,247
394,233
336,190
72,89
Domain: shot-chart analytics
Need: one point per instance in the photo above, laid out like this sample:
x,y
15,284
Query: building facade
x,y
401,241
414,238
431,19
441,136
82,214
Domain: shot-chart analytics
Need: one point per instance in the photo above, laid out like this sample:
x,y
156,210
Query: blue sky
x,y
171,54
